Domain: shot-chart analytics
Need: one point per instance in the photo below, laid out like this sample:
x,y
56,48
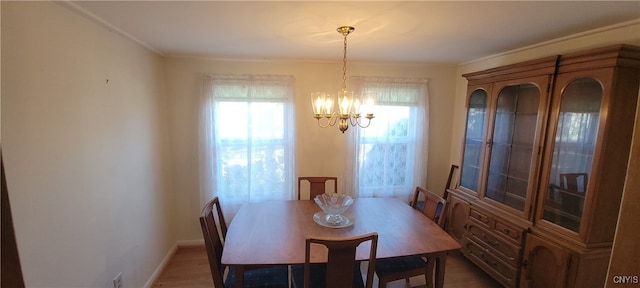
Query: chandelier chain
x,y
344,64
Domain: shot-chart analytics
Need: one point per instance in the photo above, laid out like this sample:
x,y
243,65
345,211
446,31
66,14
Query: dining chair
x,y
430,204
317,185
342,269
452,170
275,276
433,207
222,224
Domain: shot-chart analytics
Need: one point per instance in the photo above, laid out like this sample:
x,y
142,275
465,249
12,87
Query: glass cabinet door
x,y
512,144
473,142
573,151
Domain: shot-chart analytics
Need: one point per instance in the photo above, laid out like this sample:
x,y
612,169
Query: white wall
x,y
85,146
319,151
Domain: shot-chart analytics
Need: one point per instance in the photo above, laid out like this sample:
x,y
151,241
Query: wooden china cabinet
x,y
545,153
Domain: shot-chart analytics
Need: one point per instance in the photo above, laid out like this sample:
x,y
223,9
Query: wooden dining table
x,y
274,233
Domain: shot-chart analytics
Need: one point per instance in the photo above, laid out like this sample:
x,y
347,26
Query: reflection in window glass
x,y
573,150
473,142
514,131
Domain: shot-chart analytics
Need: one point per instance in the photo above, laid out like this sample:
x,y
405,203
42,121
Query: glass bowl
x,y
334,205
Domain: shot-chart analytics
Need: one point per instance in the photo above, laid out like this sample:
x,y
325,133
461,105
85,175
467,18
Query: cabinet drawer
x,y
508,252
492,265
480,216
508,230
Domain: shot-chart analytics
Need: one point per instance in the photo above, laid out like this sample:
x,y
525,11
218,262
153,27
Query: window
x,y
391,152
247,143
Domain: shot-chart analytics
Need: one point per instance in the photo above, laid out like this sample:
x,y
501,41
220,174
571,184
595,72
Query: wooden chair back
x,y
341,259
574,182
452,170
317,185
212,240
434,206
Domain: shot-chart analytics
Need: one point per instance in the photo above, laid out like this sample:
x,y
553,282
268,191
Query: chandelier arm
x,y
358,122
354,120
320,123
331,120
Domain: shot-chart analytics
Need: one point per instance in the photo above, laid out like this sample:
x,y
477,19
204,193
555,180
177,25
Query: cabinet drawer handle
x,y
488,241
491,263
487,260
506,231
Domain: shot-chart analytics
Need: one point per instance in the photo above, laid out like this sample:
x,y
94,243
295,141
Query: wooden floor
x,y
189,269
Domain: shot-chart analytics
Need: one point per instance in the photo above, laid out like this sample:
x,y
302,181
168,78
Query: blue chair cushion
x,y
268,277
400,264
319,276
420,205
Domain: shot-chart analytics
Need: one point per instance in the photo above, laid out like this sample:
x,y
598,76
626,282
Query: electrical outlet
x,y
117,282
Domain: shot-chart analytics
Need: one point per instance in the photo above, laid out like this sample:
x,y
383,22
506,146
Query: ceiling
x,y
417,31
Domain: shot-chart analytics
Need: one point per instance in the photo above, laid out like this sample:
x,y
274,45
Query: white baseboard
x,y
161,267
187,243
167,258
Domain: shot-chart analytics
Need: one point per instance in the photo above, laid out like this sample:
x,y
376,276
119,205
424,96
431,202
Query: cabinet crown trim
x,y
611,56
537,67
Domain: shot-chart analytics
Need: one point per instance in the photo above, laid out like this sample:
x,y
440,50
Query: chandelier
x,y
349,105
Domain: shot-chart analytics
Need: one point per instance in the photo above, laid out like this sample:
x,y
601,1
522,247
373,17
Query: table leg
x,y
441,260
239,276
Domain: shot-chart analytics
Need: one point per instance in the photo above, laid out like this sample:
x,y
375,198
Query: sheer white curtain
x,y
390,156
246,139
